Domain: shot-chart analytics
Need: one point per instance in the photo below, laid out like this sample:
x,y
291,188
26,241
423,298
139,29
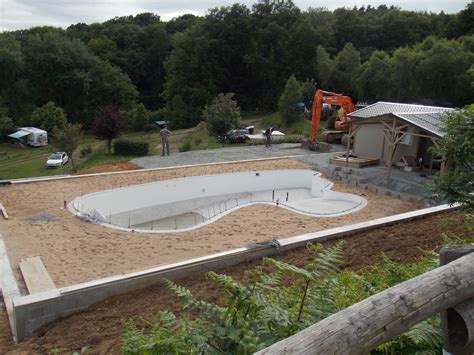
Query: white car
x,y
57,160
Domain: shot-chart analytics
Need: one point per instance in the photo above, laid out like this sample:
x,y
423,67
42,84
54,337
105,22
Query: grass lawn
x,y
28,162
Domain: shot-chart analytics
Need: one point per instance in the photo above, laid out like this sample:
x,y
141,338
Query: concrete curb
x,y
33,311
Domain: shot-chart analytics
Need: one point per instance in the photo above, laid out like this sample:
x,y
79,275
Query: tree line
x,y
175,68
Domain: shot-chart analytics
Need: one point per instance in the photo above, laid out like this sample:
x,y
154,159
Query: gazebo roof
x,y
427,118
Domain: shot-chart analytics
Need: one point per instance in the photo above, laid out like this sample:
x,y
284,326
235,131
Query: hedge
x,y
123,147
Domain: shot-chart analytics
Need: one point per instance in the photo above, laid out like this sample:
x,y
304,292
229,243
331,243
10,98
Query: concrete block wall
x,y
348,176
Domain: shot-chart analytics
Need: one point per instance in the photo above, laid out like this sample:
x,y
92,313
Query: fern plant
x,y
279,300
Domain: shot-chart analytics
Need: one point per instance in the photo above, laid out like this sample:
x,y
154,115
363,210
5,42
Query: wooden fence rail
x,y
363,326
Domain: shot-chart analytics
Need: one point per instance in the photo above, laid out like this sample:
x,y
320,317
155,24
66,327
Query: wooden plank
x,y
36,276
4,211
354,162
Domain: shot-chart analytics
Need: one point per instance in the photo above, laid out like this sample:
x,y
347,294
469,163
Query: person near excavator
x,y
268,135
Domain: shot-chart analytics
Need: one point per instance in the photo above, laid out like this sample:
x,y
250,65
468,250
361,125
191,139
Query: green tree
x,y
109,87
67,140
138,118
303,43
6,124
57,69
49,117
104,48
223,114
442,70
405,84
346,68
289,100
308,88
189,82
375,79
324,68
11,60
457,146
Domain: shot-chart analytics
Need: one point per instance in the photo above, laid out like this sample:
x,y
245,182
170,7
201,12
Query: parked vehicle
x,y
57,160
31,136
235,136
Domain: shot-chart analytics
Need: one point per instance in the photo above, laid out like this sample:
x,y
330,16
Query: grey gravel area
x,y
235,153
41,218
401,181
409,182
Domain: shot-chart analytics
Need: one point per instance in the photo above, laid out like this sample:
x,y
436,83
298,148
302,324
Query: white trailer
x,y
32,136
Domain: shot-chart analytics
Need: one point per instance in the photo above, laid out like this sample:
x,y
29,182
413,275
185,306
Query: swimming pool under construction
x,y
183,204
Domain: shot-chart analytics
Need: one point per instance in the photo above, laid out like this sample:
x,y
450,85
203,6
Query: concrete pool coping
x,y
28,313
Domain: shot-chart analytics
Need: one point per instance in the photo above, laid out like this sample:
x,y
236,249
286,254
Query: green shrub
x,y
290,138
124,147
86,151
185,146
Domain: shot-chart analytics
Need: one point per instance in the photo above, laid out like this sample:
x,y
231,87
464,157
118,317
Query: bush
x,y
138,118
131,148
185,146
86,151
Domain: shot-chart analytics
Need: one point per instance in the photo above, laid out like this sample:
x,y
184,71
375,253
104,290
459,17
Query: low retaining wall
x,y
33,311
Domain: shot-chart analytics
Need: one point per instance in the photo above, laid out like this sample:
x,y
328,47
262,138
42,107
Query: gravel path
x,y
235,153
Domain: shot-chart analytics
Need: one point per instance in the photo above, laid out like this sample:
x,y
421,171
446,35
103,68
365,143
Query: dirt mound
x,y
107,168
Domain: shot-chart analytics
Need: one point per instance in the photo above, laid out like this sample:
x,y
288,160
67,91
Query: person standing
x,y
268,135
165,134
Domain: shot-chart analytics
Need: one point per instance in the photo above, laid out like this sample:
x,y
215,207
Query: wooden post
x,y
443,165
457,323
352,132
348,148
393,141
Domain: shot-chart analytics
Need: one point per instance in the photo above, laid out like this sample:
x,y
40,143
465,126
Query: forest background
x,y
174,68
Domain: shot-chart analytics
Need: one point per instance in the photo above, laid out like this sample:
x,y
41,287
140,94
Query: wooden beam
x,y
363,326
352,132
35,275
414,134
457,323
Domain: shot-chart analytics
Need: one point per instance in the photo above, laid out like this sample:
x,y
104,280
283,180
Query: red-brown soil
x,y
107,168
100,327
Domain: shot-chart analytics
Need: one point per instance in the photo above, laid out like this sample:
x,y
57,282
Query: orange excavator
x,y
321,99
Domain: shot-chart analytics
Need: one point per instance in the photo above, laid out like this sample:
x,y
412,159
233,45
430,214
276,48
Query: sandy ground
x,y
74,251
100,327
